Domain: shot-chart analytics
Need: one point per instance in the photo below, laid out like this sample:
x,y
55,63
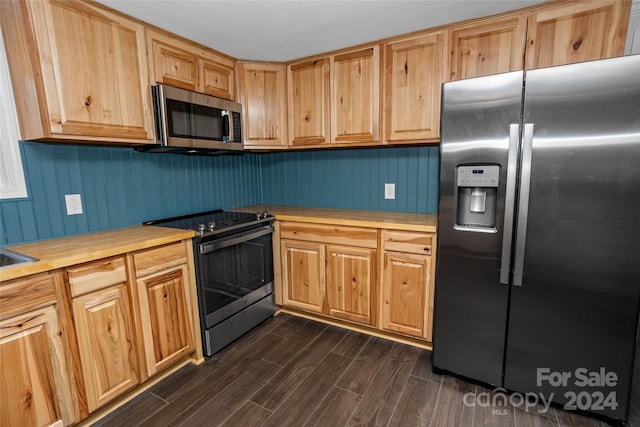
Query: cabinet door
x,y
413,80
105,343
28,394
308,102
492,47
217,79
304,275
165,318
351,283
262,96
94,71
173,66
576,32
355,96
405,293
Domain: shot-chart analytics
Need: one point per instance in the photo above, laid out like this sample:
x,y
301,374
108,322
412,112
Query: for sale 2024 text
x,y
588,399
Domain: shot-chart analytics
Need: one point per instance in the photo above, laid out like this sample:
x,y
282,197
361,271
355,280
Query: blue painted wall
x,y
353,179
120,187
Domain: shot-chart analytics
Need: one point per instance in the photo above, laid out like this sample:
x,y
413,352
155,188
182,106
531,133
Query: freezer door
x,y
480,120
576,313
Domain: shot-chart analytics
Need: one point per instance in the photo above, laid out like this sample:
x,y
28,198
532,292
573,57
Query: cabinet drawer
x,y
158,259
25,294
96,275
336,234
407,241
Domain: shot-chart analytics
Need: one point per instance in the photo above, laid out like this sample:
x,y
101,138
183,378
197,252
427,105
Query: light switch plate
x,y
74,204
389,191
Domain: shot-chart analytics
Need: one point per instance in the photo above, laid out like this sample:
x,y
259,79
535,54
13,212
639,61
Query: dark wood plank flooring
x,y
291,371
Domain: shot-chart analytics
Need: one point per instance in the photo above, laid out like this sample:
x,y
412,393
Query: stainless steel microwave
x,y
191,122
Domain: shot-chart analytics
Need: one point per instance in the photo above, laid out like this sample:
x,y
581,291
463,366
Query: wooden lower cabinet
x,y
330,270
165,320
35,383
351,283
304,275
101,307
166,310
408,282
28,392
105,343
74,340
375,277
405,293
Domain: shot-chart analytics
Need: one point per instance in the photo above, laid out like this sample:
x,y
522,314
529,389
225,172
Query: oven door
x,y
234,272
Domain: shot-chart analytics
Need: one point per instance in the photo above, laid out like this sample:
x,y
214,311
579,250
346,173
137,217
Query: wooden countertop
x,y
58,253
375,219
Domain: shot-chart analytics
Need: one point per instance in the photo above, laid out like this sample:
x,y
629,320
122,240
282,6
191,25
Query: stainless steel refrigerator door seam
x,y
509,203
523,205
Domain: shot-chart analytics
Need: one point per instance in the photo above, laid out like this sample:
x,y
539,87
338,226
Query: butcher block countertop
x,y
375,219
64,252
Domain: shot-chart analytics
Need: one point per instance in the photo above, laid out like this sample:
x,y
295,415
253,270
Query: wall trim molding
x,y
12,180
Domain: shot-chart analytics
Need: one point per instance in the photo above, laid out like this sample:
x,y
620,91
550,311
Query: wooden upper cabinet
x,y
355,96
488,47
576,32
176,62
174,67
217,79
335,99
78,72
262,95
413,71
308,102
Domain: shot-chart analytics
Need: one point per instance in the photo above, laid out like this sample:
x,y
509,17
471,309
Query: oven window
x,y
231,273
195,121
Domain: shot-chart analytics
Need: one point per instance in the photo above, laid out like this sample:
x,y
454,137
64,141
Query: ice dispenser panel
x,y
477,188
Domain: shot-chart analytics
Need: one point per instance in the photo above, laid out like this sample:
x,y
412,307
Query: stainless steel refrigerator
x,y
538,270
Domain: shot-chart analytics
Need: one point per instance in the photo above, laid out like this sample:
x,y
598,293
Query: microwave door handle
x,y
226,134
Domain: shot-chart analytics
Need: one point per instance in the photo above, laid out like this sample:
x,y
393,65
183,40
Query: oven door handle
x,y
235,239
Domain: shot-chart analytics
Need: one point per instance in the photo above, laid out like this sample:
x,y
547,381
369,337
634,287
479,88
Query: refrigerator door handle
x,y
523,206
509,203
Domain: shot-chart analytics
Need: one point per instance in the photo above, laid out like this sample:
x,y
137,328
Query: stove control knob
x,y
261,215
212,225
201,227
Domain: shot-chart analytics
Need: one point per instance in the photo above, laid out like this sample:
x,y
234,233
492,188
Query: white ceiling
x,y
282,30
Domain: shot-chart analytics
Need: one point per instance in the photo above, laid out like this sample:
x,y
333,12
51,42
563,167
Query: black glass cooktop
x,y
213,222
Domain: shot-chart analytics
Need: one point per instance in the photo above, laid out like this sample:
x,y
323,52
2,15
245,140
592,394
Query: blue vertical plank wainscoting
x,y
120,187
353,178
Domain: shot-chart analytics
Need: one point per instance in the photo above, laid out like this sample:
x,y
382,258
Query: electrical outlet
x,y
389,191
74,204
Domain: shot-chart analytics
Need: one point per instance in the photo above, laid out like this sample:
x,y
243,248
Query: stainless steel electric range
x,y
234,271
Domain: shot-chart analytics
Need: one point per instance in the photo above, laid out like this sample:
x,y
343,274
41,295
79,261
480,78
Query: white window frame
x,y
12,181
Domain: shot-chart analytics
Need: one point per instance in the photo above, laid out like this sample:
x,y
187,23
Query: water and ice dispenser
x,y
477,188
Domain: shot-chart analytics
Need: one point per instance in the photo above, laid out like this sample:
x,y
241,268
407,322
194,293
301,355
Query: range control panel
x,y
478,176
